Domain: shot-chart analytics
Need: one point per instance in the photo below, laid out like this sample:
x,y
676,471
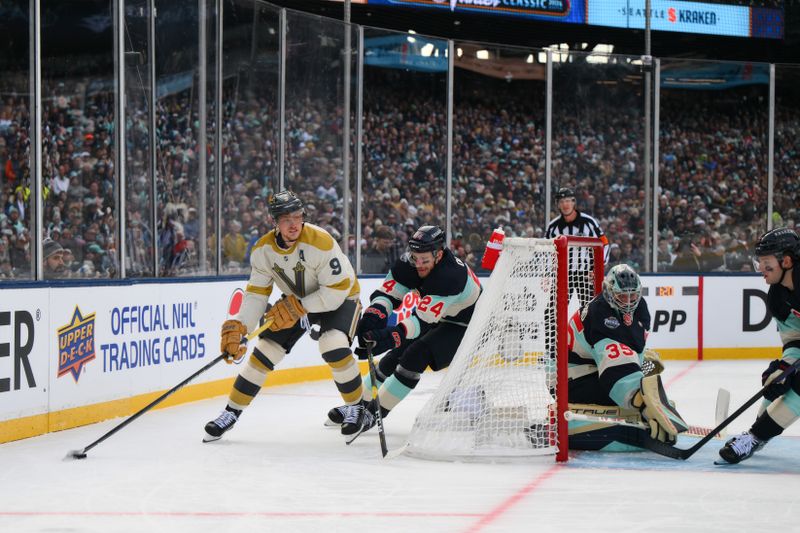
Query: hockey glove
x,y
652,363
384,339
231,344
777,389
285,313
664,421
374,317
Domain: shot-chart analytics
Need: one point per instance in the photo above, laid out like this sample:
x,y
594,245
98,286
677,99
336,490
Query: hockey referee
x,y
573,222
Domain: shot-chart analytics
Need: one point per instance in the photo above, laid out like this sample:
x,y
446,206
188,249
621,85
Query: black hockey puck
x,y
76,454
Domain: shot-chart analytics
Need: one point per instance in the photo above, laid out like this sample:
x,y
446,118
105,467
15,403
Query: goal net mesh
x,y
497,399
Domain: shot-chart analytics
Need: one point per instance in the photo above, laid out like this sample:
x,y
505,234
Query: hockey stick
x,y
81,454
373,376
696,431
723,409
666,450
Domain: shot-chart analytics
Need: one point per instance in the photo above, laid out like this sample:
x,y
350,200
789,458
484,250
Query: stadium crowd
x,y
713,172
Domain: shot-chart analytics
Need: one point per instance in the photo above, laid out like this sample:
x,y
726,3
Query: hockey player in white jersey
x,y
319,286
776,258
429,337
606,341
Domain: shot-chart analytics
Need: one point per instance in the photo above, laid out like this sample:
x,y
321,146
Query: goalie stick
x,y
672,452
81,454
721,413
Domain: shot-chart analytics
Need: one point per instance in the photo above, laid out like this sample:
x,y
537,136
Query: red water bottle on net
x,y
493,248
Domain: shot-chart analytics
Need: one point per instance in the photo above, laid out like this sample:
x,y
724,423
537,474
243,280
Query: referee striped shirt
x,y
583,226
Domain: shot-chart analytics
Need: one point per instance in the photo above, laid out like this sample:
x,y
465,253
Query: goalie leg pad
x,y
604,437
586,435
664,420
336,352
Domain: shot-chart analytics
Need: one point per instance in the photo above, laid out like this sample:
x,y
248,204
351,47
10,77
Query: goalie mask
x,y
622,289
284,203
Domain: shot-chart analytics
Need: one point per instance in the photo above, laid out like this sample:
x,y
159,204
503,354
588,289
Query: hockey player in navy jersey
x,y
776,258
606,350
429,337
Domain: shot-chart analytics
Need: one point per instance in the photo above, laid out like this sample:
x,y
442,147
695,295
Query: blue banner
x,y
710,76
406,52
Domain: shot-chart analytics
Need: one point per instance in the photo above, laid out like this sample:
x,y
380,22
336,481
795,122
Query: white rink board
x,y
203,306
736,314
24,360
146,338
126,340
673,311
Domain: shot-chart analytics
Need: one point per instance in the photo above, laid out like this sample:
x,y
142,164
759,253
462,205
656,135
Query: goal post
x,y
505,393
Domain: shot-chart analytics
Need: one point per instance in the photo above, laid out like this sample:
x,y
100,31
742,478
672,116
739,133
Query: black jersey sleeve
x,y
401,279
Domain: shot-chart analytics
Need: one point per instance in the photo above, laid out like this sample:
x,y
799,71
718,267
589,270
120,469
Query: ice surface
x,y
281,470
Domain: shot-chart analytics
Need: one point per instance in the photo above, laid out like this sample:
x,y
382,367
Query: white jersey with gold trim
x,y
314,269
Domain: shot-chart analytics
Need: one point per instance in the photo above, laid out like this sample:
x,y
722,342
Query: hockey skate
x,y
740,447
358,419
336,416
224,422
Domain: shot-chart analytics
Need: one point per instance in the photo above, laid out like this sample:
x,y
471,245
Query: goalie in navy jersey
x,y
606,356
429,337
776,259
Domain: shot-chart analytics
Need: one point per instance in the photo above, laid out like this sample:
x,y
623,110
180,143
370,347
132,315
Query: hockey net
x,y
504,394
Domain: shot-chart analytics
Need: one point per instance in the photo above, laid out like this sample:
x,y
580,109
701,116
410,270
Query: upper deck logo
x,y
75,344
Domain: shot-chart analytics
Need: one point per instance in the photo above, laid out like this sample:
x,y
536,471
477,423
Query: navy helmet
x,y
778,242
427,239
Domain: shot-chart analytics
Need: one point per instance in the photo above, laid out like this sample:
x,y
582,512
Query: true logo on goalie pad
x,y
611,322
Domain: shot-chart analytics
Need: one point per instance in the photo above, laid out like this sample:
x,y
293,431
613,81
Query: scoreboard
x,y
685,16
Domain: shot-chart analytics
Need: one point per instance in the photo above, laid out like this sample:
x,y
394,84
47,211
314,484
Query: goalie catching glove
x,y
383,339
231,340
664,421
652,363
285,313
776,389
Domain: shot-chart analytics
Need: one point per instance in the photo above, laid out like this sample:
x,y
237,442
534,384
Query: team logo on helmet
x,y
427,239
